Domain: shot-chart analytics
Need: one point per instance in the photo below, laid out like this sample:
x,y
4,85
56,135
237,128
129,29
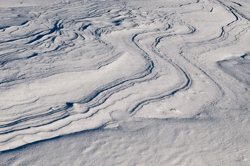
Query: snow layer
x,y
124,82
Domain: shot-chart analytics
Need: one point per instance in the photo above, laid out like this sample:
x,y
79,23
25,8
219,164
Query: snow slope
x,y
111,82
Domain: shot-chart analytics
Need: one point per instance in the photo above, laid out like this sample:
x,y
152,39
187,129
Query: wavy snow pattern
x,y
82,65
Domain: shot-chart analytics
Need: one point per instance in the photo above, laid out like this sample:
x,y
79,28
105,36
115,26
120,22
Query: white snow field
x,y
125,82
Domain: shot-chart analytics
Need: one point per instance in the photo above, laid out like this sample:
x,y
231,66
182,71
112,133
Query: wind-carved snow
x,y
81,65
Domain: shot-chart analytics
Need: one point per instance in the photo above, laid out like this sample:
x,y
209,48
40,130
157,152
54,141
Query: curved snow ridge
x,y
79,65
45,102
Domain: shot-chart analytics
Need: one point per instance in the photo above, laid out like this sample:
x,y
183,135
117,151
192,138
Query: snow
x,y
111,82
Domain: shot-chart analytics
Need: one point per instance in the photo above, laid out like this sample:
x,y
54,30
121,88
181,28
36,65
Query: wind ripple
x,y
83,65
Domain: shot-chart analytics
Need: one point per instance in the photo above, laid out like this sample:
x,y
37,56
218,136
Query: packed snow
x,y
125,82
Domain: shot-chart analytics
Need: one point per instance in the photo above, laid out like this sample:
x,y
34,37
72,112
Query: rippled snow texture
x,y
70,66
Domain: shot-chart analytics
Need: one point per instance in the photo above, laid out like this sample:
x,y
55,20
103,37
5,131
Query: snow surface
x,y
132,82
